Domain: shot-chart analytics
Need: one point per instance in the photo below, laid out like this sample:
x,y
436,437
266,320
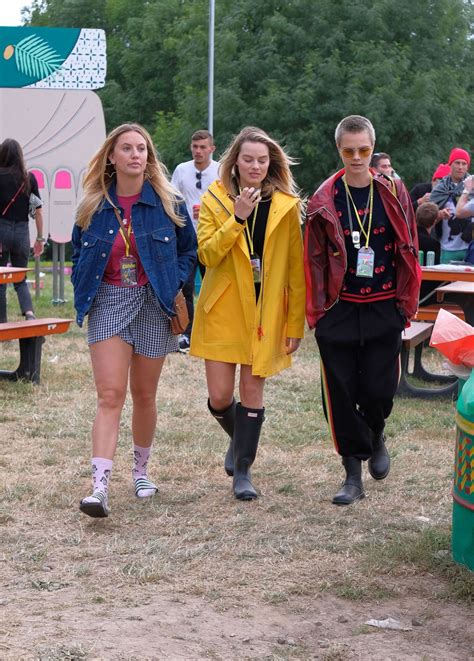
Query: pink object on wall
x,y
62,179
39,176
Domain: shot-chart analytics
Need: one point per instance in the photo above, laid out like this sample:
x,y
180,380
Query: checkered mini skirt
x,y
134,314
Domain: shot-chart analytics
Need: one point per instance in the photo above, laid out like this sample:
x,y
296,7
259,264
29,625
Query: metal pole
x,y
54,246
210,120
62,254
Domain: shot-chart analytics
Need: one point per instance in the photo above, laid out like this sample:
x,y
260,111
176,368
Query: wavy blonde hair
x,y
279,175
101,173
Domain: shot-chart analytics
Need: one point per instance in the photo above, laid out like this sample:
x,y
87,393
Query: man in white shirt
x,y
192,179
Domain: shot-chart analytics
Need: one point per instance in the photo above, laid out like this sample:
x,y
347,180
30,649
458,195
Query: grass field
x,y
195,574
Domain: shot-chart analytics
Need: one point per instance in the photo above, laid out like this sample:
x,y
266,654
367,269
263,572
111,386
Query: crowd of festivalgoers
x,y
139,239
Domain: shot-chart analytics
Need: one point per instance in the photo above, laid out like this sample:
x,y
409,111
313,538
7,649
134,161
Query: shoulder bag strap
x,y
126,236
12,201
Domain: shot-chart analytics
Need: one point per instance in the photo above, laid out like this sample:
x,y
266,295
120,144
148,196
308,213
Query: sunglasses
x,y
199,182
350,152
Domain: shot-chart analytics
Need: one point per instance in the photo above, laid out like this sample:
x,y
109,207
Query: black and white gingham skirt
x,y
134,314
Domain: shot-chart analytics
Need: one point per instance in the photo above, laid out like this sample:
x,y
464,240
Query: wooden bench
x,y
414,338
31,337
430,312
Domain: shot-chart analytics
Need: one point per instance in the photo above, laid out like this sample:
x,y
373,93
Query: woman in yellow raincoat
x,y
251,307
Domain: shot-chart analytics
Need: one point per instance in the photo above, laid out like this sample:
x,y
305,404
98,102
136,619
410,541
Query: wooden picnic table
x,y
448,273
461,293
12,274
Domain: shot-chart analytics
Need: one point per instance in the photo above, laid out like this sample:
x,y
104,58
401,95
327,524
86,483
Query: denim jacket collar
x,y
147,196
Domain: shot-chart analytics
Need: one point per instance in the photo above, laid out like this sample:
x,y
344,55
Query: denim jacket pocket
x,y
165,243
88,241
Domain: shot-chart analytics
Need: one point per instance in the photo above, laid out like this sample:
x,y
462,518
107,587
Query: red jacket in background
x,y
325,251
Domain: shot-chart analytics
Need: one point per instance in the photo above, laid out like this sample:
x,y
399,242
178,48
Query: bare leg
x,y
221,402
110,364
251,388
144,376
220,383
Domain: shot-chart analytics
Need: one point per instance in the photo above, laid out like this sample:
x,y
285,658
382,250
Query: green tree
x,y
295,68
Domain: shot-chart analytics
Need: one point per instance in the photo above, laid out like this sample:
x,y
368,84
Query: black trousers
x,y
359,346
188,293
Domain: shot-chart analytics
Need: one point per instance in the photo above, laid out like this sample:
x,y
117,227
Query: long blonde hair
x,y
101,173
279,175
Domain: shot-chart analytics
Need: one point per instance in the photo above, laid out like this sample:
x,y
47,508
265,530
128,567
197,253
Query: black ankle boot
x,y
379,462
352,488
248,424
226,419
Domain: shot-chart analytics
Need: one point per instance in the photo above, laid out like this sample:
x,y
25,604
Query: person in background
x,y
17,186
465,209
133,249
250,310
465,205
362,284
454,233
192,179
420,193
426,219
382,164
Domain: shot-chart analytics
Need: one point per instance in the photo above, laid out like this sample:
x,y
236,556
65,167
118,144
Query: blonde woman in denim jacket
x,y
134,247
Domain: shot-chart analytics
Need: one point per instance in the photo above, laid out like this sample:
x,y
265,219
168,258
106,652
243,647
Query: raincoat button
x,y
111,231
86,243
103,254
166,238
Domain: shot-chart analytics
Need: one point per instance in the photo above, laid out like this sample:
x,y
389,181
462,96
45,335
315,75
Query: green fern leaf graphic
x,y
35,58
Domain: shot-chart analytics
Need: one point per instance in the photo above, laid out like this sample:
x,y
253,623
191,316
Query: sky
x,y
10,11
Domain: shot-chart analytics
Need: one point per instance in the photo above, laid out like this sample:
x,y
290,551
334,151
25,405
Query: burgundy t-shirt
x,y
112,270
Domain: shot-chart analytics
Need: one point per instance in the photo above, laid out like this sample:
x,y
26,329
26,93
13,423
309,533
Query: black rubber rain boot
x,y
352,488
248,424
226,419
379,463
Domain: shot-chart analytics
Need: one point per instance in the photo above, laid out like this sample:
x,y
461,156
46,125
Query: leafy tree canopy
x,y
293,67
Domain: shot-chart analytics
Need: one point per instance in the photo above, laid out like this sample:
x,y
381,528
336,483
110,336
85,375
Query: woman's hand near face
x,y
292,344
246,202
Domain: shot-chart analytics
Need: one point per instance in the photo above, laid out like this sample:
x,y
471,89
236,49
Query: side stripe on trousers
x,y
327,405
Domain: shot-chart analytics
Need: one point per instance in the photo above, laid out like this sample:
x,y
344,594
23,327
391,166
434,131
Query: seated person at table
x,y
465,209
426,218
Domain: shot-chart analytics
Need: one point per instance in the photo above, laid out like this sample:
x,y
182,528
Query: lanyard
x,y
247,231
370,202
125,232
250,234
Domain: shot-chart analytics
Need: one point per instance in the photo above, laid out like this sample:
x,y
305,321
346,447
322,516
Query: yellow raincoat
x,y
229,324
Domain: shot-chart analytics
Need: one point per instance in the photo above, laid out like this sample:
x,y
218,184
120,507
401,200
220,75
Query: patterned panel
x,y
464,462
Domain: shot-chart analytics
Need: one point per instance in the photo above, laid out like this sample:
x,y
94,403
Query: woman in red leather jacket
x,y
362,279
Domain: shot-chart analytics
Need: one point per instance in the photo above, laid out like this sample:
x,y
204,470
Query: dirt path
x,y
58,625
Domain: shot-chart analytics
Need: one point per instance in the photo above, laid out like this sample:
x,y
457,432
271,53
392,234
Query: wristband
x,y
41,239
466,192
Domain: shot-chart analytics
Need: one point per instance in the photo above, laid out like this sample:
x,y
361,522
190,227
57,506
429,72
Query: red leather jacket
x,y
325,250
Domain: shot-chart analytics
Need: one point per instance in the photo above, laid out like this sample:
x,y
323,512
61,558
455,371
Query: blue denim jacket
x,y
167,252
